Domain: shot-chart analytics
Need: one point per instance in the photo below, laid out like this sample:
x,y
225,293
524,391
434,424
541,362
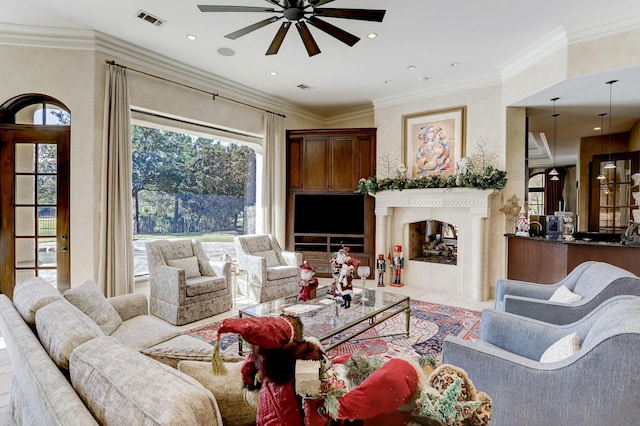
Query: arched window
x,y
35,108
536,194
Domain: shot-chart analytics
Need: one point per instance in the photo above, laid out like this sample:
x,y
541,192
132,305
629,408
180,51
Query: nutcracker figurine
x,y
397,263
381,267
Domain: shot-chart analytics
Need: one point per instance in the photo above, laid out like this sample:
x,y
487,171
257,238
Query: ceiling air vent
x,y
150,18
303,87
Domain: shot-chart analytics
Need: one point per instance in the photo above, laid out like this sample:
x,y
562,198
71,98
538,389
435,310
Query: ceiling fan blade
x,y
279,38
316,3
246,30
360,14
332,30
211,8
308,40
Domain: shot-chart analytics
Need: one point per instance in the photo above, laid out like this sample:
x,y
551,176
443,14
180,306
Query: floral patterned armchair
x,y
272,273
185,286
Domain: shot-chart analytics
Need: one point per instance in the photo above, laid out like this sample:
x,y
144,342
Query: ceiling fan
x,y
301,12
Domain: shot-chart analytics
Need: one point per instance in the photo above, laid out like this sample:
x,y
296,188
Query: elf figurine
x,y
381,267
307,283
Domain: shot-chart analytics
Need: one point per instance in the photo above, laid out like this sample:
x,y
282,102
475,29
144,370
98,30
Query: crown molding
x,y
352,114
91,40
430,92
607,25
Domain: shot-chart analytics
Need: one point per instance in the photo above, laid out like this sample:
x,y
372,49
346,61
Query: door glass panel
x,y
24,190
47,158
56,116
47,221
25,219
22,274
25,158
47,190
25,252
46,252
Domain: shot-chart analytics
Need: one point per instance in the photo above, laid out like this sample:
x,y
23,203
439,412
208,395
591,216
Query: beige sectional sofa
x,y
82,359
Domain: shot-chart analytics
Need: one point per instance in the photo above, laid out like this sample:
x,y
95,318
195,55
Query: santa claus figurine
x,y
279,350
307,283
345,287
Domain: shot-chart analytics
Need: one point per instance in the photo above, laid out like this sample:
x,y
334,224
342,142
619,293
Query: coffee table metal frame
x,y
379,307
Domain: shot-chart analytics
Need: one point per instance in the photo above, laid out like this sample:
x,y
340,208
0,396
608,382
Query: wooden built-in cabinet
x,y
323,212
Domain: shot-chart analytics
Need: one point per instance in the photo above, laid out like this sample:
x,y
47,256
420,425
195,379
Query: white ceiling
x,y
481,35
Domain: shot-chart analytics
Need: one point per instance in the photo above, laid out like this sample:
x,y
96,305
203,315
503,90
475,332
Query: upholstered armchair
x,y
593,283
185,286
596,384
272,272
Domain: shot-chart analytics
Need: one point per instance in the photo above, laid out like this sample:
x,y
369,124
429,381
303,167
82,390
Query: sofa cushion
x,y
144,331
61,328
90,300
122,386
31,294
203,285
180,348
189,264
270,256
564,295
561,349
237,404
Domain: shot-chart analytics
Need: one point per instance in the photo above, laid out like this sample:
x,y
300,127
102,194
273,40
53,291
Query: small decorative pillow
x,y
189,264
564,295
271,256
562,349
90,300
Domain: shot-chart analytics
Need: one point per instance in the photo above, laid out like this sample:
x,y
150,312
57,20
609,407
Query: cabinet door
x,y
343,163
315,163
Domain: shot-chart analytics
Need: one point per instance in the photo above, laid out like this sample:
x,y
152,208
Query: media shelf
x,y
318,249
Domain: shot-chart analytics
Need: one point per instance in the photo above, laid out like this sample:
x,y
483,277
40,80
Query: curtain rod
x,y
214,95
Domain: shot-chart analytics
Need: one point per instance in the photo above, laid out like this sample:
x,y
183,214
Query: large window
x,y
190,187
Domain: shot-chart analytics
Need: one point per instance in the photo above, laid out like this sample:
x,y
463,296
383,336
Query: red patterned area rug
x,y
430,324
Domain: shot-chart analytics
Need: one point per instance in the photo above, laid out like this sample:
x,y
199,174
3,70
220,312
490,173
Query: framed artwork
x,y
434,142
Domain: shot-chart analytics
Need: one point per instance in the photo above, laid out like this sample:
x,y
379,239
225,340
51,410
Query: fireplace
x,y
433,241
466,210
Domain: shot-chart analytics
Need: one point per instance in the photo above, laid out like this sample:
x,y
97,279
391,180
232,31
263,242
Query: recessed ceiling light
x,y
372,35
387,81
411,67
225,51
597,128
273,73
192,37
454,64
423,78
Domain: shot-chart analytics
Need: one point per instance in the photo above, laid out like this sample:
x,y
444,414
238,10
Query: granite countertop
x,y
586,242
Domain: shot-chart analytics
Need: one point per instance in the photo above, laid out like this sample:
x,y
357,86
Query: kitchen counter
x,y
547,261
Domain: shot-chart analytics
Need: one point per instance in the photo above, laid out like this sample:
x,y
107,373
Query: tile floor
x,y
6,371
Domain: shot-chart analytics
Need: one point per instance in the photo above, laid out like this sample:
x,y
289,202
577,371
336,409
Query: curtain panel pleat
x,y
272,193
116,274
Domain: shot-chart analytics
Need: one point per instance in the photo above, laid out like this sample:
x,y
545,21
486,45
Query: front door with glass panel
x,y
34,205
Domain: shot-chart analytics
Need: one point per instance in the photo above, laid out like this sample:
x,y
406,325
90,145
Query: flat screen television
x,y
329,214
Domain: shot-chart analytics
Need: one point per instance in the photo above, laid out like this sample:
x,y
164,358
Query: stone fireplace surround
x,y
468,208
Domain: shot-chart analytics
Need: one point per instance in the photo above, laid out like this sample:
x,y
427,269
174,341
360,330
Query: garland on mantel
x,y
472,172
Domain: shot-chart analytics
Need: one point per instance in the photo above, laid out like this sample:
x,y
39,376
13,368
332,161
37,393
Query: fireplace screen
x,y
433,241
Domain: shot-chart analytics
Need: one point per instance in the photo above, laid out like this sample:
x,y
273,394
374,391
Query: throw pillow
x,y
90,300
563,348
189,264
271,256
564,295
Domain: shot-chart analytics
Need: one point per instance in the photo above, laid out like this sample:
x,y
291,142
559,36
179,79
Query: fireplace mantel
x,y
468,208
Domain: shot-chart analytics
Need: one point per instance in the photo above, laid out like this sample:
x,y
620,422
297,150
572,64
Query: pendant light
x,y
601,115
610,164
554,173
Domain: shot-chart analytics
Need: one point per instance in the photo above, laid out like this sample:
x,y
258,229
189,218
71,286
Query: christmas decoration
x,y
308,282
381,267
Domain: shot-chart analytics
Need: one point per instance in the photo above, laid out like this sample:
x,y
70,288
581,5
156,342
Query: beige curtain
x,y
115,275
272,193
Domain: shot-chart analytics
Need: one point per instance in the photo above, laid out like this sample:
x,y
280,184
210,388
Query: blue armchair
x,y
597,385
594,281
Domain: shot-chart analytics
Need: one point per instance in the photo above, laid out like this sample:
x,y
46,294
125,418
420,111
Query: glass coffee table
x,y
333,325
